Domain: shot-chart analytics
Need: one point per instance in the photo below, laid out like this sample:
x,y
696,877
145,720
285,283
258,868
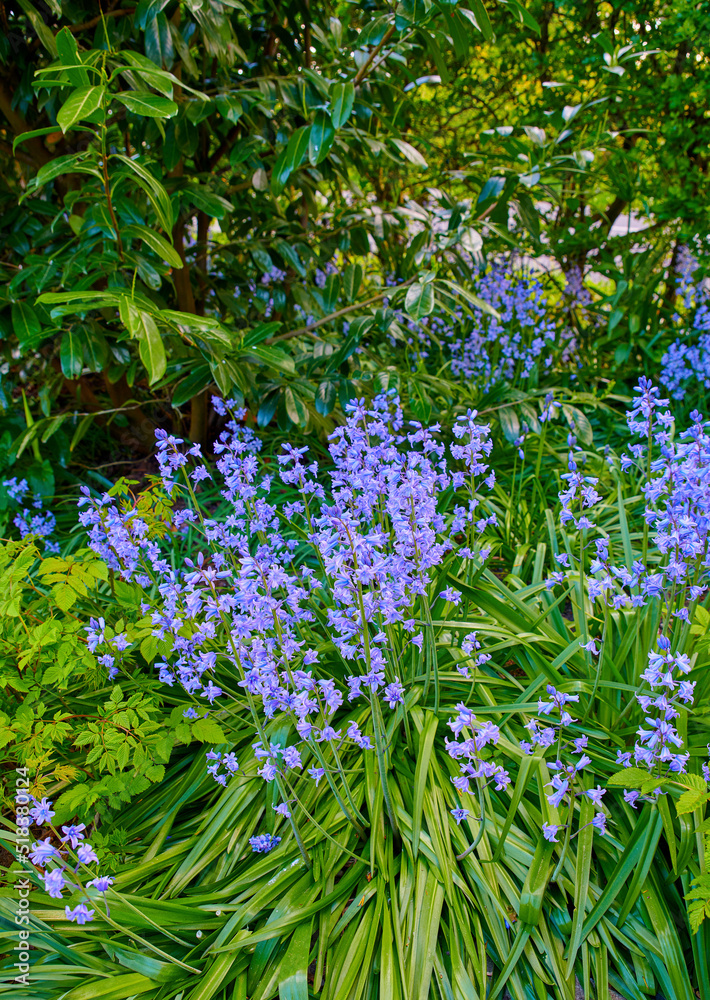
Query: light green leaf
x,y
412,154
419,301
69,56
80,105
143,327
293,972
142,102
156,243
208,731
630,777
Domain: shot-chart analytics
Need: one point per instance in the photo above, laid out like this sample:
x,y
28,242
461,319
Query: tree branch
x,y
18,125
364,69
305,330
86,25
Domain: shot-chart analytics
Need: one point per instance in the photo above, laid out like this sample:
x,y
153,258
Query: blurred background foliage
x,y
268,198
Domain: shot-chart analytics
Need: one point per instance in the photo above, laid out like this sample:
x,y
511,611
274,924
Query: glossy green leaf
x,y
352,280
342,97
293,972
156,242
158,40
25,323
142,102
409,152
71,354
320,138
68,53
79,106
153,187
419,301
143,328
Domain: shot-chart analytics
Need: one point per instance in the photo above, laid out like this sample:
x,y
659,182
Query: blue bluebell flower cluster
x,y
32,518
674,477
66,867
509,347
686,364
355,549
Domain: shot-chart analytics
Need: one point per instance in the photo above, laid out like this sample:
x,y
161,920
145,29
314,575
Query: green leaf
x,y
342,97
407,150
482,20
630,777
72,163
525,16
143,327
80,105
158,41
44,33
209,202
154,189
634,850
585,846
274,357
293,972
156,243
689,801
142,102
419,301
352,279
71,354
533,891
208,731
426,746
290,158
69,57
146,10
25,323
326,395
295,408
65,596
320,138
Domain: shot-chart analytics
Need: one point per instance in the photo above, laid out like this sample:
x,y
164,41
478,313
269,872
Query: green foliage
x,y
220,194
166,161
58,717
416,912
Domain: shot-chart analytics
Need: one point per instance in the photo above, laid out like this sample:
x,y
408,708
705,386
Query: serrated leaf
x,y
208,731
630,777
689,801
65,596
